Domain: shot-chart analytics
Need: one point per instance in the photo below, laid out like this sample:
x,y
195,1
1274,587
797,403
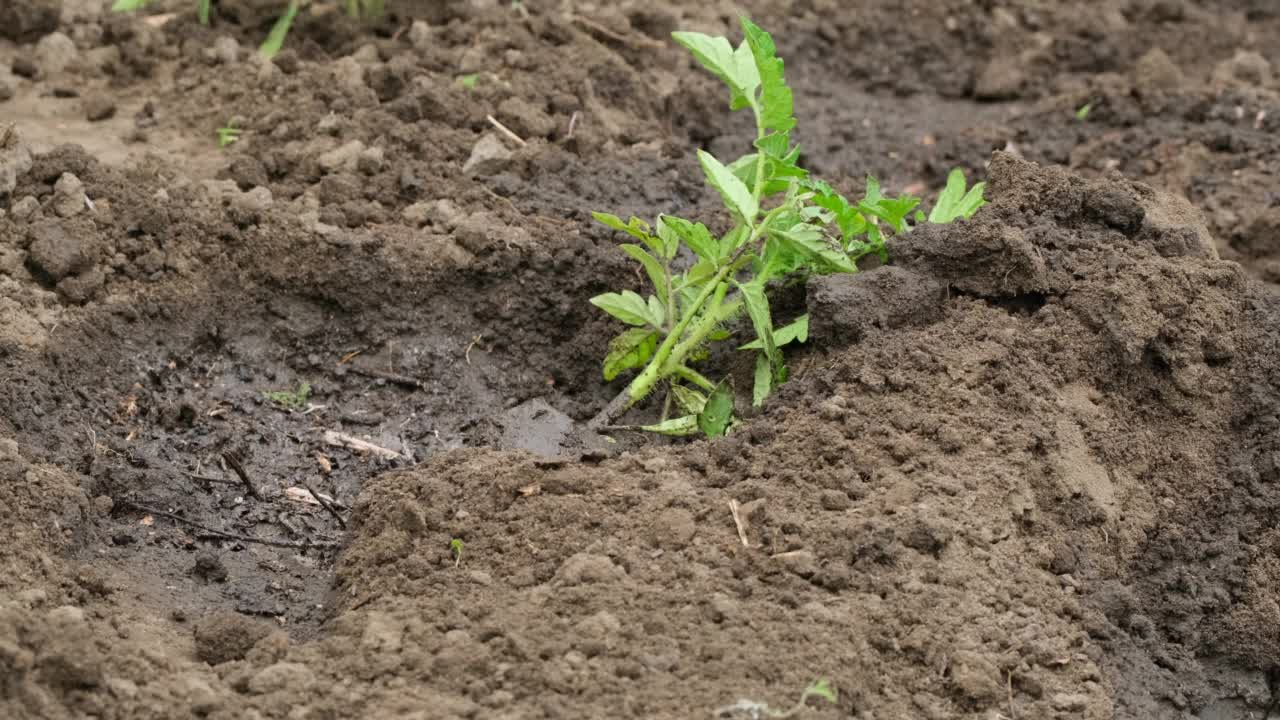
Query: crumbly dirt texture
x,y
294,427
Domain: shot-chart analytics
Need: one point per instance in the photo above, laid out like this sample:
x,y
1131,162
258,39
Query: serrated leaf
x,y
631,349
627,306
696,236
954,202
774,145
764,381
657,311
757,304
795,331
810,242
675,427
776,104
736,195
275,39
657,273
689,400
745,167
716,416
636,228
735,68
670,239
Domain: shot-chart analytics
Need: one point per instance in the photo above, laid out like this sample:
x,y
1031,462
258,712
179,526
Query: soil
x,y
252,394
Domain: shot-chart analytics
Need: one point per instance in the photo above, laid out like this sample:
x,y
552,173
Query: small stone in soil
x,y
99,107
23,67
55,52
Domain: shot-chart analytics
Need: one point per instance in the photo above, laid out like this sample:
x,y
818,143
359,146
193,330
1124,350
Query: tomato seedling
x,y
786,225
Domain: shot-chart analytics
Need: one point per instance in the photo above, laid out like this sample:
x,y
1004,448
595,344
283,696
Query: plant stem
x,y
687,373
669,358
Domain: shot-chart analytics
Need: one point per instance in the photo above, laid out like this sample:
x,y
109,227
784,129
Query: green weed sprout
x,y
228,134
787,225
1082,113
820,688
360,9
455,546
291,399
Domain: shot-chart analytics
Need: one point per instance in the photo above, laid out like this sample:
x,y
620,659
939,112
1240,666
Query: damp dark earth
x,y
297,366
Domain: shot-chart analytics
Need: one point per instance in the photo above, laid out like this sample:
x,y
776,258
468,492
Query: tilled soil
x,y
1027,470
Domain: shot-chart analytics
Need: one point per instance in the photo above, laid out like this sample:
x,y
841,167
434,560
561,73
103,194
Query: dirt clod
x,y
224,637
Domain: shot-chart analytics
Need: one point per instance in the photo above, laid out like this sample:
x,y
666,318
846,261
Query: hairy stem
x,y
669,358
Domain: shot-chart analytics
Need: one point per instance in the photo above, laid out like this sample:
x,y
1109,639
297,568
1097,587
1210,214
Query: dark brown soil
x,y
1027,470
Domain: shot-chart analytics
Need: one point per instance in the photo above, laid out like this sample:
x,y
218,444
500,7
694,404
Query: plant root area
x,y
295,427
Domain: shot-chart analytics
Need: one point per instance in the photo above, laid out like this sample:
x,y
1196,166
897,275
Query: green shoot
x,y
1082,113
228,134
954,202
787,226
129,5
455,546
358,9
469,81
820,688
275,39
202,11
291,399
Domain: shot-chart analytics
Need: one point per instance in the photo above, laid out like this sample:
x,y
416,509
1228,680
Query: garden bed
x,y
1026,470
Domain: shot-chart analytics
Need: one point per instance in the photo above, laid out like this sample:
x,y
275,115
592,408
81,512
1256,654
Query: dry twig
x,y
506,131
214,532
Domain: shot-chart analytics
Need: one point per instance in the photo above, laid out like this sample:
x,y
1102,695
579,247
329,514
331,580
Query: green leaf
x,y
129,5
657,311
774,145
657,273
628,307
954,202
758,309
631,349
764,381
670,239
279,31
202,11
735,68
689,400
636,228
715,418
744,168
821,688
892,210
676,427
775,96
736,195
810,242
696,236
795,331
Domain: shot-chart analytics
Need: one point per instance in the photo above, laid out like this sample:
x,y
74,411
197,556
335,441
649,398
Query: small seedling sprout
x,y
1082,113
455,546
228,134
756,710
787,225
291,399
359,9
